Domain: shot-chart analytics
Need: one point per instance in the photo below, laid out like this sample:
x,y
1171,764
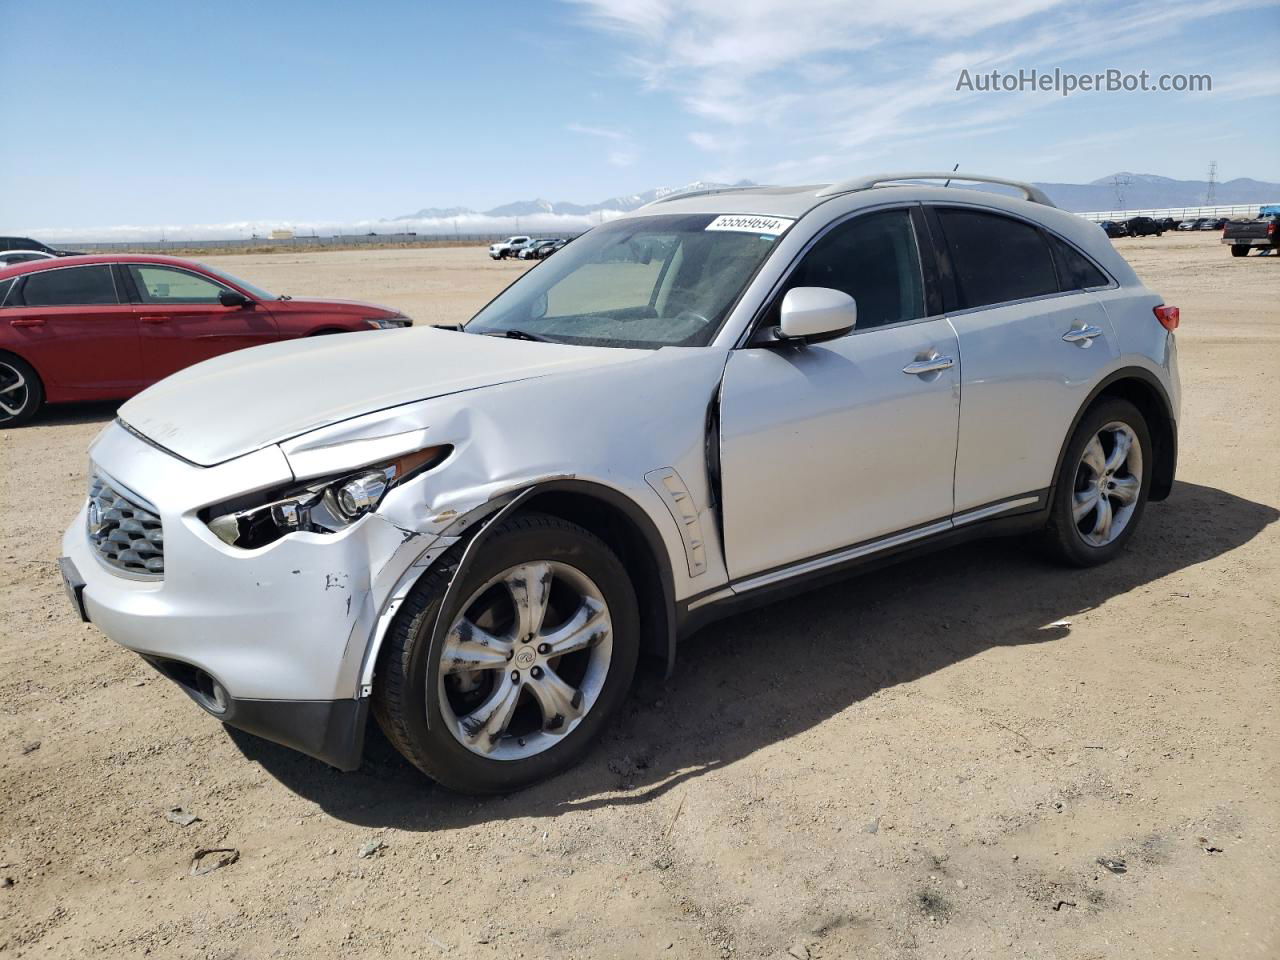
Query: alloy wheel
x,y
525,660
15,392
1108,483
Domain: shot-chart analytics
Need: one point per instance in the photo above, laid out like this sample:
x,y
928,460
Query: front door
x,y
182,321
830,445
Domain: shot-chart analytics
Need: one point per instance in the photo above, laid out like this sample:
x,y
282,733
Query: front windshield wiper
x,y
522,335
284,296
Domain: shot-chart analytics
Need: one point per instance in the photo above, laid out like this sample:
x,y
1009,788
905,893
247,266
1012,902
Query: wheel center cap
x,y
526,657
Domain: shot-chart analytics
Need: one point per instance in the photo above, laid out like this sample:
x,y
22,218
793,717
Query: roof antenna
x,y
953,170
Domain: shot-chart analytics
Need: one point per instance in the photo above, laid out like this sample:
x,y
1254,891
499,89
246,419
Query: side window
x,y
167,285
996,259
874,259
5,287
1075,272
70,287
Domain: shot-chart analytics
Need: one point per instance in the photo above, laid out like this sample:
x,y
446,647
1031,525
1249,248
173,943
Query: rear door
x,y
1034,342
182,321
72,325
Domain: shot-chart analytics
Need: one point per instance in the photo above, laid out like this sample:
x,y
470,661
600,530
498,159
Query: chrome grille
x,y
126,534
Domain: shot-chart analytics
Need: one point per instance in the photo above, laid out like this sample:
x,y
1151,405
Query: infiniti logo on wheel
x,y
525,657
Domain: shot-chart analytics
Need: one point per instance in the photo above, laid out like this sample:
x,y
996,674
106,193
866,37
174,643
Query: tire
x,y
438,722
18,379
1239,251
1075,538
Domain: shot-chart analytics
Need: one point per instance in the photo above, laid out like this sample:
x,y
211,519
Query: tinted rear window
x,y
70,287
996,259
1075,271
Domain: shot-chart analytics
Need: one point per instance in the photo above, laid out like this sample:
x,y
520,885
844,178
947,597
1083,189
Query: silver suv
x,y
477,532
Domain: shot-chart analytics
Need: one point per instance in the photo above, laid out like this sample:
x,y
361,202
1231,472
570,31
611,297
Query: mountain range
x,y
1139,191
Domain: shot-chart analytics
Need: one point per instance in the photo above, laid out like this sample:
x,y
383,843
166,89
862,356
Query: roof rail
x,y
1032,193
705,192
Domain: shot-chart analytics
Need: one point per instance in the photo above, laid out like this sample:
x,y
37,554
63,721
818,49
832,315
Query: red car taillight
x,y
1168,316
1271,228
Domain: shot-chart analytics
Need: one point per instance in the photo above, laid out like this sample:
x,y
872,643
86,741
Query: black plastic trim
x,y
329,730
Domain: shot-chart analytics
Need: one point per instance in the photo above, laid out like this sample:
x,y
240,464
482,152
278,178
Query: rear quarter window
x,y
5,287
1075,270
996,259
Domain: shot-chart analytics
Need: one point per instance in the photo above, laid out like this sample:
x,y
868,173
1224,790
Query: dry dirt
x,y
926,762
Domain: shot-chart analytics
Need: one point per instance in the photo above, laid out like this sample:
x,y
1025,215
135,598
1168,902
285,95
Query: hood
x,y
243,401
307,304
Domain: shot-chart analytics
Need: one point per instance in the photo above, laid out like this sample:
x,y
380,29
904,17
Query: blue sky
x,y
150,113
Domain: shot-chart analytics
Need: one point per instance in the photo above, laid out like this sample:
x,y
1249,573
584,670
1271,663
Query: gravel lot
x,y
926,762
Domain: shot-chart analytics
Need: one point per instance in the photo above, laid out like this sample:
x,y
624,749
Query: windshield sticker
x,y
745,223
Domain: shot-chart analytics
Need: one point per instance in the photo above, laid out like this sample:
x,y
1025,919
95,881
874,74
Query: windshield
x,y
256,292
646,282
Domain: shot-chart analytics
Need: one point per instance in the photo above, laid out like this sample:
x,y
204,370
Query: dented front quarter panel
x,y
607,427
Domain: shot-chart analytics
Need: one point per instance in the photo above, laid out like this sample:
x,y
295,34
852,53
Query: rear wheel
x,y
21,392
539,651
1102,486
1239,250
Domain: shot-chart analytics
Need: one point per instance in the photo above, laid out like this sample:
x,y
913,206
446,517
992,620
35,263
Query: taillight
x,y
1168,316
1271,228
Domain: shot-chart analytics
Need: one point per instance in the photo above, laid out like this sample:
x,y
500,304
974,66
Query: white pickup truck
x,y
507,248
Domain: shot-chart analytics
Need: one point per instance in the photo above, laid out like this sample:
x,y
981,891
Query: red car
x,y
103,328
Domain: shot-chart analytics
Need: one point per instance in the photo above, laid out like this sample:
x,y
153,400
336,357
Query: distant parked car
x,y
1169,223
532,250
26,243
1144,227
548,250
105,327
9,257
1191,224
1114,228
508,247
1213,223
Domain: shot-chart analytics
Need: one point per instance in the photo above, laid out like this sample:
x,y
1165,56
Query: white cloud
x,y
817,86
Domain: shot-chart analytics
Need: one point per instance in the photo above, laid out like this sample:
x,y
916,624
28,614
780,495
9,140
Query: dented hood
x,y
243,401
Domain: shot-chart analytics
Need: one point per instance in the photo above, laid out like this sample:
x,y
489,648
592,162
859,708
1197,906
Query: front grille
x,y
126,534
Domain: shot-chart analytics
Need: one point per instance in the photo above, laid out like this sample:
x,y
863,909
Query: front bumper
x,y
282,631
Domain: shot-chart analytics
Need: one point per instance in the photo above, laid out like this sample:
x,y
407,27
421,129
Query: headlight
x,y
389,323
320,506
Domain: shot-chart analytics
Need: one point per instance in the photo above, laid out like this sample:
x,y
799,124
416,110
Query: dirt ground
x,y
927,762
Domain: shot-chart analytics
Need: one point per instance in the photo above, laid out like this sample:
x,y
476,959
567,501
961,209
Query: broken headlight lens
x,y
320,506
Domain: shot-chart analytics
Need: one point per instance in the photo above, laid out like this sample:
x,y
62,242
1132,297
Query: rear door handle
x,y
1082,335
155,319
30,322
918,368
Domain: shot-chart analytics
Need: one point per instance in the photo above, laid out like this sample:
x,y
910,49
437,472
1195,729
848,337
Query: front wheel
x,y
1102,486
21,392
539,651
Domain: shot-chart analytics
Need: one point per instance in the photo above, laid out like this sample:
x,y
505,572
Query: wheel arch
x,y
628,530
1144,390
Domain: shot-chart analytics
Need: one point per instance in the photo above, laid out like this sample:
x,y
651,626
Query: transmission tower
x,y
1119,183
1211,194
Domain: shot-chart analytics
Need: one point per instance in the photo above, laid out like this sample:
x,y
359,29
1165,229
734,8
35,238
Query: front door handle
x,y
155,319
918,368
1082,335
29,322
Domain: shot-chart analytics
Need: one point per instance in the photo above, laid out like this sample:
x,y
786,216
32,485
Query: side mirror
x,y
229,298
816,313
